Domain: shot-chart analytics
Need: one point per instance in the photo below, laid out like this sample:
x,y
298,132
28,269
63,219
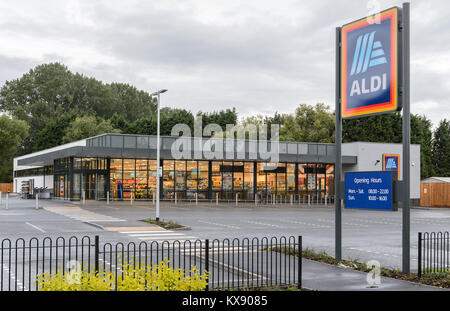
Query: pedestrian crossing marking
x,y
81,214
137,229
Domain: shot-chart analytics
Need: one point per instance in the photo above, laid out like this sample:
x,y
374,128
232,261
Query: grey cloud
x,y
260,64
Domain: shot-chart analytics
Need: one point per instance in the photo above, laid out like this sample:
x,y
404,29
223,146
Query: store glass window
x,y
77,163
129,165
216,176
302,180
290,178
203,175
116,179
168,179
141,165
180,175
238,178
261,177
191,175
141,185
281,179
152,176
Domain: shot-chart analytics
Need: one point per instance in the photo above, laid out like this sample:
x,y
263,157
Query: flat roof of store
x,y
144,146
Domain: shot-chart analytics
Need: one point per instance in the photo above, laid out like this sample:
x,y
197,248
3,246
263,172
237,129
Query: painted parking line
x,y
13,279
217,224
137,229
35,227
344,223
305,223
262,224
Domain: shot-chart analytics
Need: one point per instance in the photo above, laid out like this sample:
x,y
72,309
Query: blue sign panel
x,y
369,66
369,190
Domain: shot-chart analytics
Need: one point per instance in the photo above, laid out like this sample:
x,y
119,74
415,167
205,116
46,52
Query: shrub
x,y
131,278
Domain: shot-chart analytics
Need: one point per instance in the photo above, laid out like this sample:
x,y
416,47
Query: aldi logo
x,y
369,53
369,66
391,162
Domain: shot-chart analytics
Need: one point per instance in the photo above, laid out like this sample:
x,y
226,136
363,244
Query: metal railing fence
x,y
231,263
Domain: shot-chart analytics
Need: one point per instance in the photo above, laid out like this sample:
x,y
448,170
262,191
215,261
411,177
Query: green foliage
x,y
50,92
441,149
388,129
159,277
222,118
309,124
12,133
73,281
87,126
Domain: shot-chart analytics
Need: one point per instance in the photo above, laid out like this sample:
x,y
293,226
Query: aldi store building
x,y
125,166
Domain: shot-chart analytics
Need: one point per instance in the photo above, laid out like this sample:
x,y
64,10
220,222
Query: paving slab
x,y
325,277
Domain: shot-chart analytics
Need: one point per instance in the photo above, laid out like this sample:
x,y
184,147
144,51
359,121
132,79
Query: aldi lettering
x,y
369,66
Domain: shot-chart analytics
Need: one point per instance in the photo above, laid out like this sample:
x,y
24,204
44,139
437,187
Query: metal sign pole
x,y
338,162
406,139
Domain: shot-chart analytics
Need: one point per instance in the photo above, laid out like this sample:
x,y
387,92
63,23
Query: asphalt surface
x,y
367,235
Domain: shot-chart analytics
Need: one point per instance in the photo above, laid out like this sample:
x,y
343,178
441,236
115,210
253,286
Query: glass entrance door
x,y
93,185
88,186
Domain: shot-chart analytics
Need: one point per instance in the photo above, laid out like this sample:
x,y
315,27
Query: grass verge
x,y
440,279
165,224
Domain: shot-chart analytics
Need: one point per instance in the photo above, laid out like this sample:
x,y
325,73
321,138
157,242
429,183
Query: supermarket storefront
x,y
124,166
185,179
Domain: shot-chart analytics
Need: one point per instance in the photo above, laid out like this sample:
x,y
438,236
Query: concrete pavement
x,y
324,277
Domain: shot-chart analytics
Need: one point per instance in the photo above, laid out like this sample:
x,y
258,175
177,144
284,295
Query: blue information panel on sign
x,y
369,190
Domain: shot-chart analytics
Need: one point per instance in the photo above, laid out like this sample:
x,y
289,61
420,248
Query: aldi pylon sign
x,y
369,66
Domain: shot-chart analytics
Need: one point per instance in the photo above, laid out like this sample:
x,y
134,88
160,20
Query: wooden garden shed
x,y
435,192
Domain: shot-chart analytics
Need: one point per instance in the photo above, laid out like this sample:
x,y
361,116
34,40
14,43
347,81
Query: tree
x,y
222,118
309,124
50,91
387,128
12,133
441,149
53,133
87,126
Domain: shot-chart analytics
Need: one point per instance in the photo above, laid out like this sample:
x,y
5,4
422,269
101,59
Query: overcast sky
x,y
258,56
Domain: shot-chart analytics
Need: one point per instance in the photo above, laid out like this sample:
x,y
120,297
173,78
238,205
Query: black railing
x,y
433,252
231,263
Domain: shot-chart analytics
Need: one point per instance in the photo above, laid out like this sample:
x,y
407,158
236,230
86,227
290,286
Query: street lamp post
x,y
158,167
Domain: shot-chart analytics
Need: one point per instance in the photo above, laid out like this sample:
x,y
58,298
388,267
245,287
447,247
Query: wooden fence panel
x,y
435,194
5,187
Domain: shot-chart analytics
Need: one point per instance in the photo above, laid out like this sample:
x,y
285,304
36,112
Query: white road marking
x,y
262,223
159,236
35,227
217,224
304,223
83,215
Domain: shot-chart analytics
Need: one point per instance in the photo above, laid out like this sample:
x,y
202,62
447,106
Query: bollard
x,y
131,198
256,199
217,198
326,200
196,198
292,201
37,200
107,198
84,197
153,197
175,198
0,199
309,200
237,195
6,201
